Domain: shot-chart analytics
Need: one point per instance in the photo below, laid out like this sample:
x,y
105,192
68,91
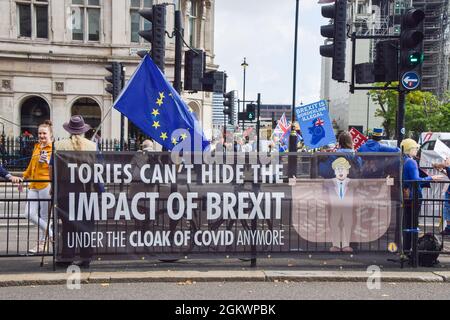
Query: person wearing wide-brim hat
x,y
374,145
76,127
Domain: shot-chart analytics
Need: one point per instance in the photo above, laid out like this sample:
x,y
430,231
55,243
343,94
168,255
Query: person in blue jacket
x,y
410,174
5,174
378,166
445,166
374,145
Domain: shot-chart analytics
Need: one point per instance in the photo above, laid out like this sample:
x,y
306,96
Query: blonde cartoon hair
x,y
408,144
342,163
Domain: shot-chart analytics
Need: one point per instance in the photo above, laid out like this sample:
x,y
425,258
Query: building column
x,y
6,106
59,114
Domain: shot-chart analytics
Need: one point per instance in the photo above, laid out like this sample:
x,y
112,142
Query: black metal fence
x,y
18,235
15,152
424,217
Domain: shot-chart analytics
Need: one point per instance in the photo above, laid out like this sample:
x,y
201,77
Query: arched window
x,y
195,109
89,110
33,112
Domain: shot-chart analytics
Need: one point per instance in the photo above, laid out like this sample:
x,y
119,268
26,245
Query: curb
x,y
352,276
190,277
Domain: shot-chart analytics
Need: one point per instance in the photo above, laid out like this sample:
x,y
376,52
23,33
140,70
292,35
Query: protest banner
x,y
130,205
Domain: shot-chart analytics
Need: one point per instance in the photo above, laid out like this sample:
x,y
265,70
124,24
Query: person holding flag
x,y
285,137
280,130
154,106
280,136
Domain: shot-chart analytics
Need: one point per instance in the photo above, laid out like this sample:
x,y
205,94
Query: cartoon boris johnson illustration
x,y
341,197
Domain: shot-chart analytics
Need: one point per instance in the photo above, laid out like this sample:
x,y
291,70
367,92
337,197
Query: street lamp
x,y
293,135
244,65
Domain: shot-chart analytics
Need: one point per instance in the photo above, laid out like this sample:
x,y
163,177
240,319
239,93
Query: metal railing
x,y
18,235
15,152
424,216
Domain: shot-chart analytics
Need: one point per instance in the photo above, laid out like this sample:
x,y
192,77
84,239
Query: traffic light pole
x,y
178,51
258,127
293,135
243,105
244,65
224,127
400,129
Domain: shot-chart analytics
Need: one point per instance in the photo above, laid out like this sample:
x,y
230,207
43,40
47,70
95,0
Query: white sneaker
x,y
39,248
34,250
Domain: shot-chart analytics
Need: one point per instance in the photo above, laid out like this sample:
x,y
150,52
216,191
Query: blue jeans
x,y
447,206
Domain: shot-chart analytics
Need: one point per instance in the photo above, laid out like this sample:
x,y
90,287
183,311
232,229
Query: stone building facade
x,y
53,55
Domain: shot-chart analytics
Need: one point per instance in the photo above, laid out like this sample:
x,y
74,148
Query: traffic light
x,y
157,34
386,61
196,78
194,68
385,65
411,48
229,104
250,111
337,32
214,81
364,73
115,79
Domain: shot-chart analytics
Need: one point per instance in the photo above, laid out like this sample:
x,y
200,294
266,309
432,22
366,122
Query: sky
x,y
263,32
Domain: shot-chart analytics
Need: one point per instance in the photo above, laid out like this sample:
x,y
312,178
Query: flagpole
x,y
122,118
101,123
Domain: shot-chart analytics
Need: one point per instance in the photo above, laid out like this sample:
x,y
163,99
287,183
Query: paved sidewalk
x,y
348,268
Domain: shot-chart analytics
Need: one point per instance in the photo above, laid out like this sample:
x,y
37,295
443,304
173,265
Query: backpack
x,y
429,242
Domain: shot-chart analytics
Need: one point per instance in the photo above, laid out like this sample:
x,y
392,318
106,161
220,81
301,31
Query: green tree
x,y
424,112
387,108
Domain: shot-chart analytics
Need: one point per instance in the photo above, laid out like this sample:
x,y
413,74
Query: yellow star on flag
x,y
159,102
161,95
183,136
174,140
155,112
190,110
156,124
164,136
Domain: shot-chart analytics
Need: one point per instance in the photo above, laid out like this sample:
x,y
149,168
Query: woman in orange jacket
x,y
38,169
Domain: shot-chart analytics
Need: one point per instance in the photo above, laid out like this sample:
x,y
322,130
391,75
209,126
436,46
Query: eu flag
x,y
153,105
